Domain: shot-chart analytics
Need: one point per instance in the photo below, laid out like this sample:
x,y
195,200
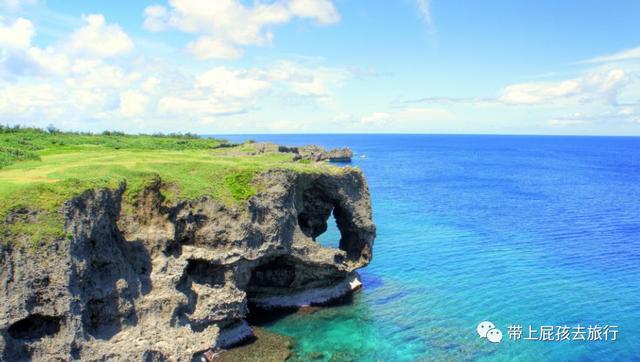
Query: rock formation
x,y
156,281
317,154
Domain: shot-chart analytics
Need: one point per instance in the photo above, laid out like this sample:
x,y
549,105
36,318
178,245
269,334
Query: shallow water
x,y
512,229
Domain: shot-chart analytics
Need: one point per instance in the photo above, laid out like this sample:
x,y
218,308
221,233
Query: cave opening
x,y
331,237
326,220
278,273
35,326
204,272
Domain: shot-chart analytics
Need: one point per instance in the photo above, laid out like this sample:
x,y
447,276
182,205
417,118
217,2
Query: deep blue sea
x,y
516,230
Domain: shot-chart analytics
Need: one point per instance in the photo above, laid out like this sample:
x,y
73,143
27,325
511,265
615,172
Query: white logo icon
x,y
484,327
489,331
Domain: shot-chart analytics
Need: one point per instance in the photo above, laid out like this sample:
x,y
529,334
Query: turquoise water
x,y
511,229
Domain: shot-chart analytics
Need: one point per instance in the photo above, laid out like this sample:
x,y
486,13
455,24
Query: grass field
x,y
40,170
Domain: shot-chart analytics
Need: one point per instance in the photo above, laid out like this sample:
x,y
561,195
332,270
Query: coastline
x,y
178,255
311,297
265,345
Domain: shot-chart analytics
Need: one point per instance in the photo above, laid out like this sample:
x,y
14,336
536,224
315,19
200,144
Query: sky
x,y
322,66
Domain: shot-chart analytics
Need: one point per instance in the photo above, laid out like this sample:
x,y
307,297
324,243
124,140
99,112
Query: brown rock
x,y
172,281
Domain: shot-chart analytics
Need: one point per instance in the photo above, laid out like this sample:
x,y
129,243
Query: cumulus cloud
x,y
224,82
16,35
603,86
224,26
223,91
81,80
19,56
209,48
156,18
94,40
23,99
315,82
197,106
97,38
89,85
133,103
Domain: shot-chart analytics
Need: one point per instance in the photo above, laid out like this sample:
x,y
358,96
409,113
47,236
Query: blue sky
x,y
297,66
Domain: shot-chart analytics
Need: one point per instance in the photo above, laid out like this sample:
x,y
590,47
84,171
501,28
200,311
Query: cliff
x,y
317,154
158,279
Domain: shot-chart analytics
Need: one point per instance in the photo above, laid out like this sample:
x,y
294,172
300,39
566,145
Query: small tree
x,y
52,129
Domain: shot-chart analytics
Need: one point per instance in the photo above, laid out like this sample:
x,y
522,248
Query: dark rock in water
x,y
339,155
158,281
315,356
341,356
317,154
264,346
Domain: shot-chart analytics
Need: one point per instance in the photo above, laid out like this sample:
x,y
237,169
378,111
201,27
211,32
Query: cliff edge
x,y
158,279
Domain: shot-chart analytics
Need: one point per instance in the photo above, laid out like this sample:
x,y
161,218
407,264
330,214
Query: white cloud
x,y
322,11
225,25
602,86
19,56
155,17
377,118
197,106
99,39
426,113
133,103
566,122
16,35
94,89
424,9
96,74
617,115
223,91
78,82
223,82
316,82
406,115
14,4
210,48
46,61
476,102
151,84
615,57
24,99
343,118
94,40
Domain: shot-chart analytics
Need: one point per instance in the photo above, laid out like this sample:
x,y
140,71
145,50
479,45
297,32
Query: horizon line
x,y
417,134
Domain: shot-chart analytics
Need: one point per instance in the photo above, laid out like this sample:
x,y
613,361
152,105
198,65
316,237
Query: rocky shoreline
x,y
172,280
317,154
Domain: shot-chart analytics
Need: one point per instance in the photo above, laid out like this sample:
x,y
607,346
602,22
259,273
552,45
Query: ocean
x,y
530,231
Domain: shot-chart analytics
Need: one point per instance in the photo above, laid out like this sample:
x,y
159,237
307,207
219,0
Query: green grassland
x,y
40,170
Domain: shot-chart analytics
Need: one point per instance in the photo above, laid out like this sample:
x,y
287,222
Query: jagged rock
x,y
166,281
317,154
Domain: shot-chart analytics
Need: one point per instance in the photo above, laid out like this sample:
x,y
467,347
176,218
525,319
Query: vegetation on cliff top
x,y
40,170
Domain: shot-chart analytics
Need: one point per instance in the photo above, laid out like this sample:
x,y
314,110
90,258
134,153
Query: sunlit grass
x,y
43,170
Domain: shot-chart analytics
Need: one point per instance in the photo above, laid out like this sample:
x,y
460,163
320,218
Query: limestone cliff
x,y
160,280
316,153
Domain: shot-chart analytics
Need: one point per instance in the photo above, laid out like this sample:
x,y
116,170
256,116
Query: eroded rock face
x,y
168,282
316,153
